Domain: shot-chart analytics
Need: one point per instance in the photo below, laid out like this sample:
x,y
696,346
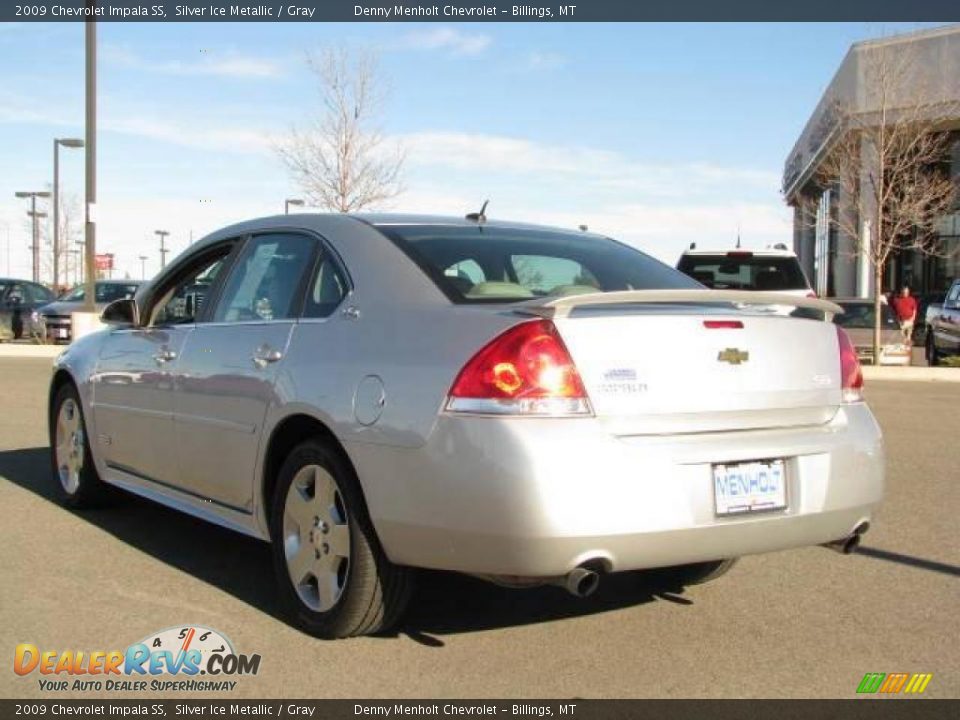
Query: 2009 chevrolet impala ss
x,y
377,393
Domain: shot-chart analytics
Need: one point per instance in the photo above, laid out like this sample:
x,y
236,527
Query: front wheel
x,y
78,482
334,577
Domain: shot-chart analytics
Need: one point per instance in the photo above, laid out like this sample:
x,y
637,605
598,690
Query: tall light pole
x,y
143,267
57,142
291,201
163,248
90,180
32,212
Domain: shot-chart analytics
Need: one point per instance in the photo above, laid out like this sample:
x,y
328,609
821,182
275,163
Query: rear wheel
x,y
78,483
933,359
334,578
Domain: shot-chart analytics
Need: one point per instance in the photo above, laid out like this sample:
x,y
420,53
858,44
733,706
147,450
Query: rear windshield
x,y
490,264
860,315
744,271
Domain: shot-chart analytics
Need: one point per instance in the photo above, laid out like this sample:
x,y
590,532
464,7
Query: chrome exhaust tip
x,y
581,582
849,544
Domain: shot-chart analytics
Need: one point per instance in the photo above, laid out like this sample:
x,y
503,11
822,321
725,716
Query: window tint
x,y
327,290
265,281
183,303
860,315
108,292
491,264
953,300
38,294
552,275
744,271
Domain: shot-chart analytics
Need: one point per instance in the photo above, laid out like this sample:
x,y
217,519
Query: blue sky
x,y
658,134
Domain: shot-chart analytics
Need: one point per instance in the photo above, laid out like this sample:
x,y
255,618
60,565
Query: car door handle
x,y
264,355
165,355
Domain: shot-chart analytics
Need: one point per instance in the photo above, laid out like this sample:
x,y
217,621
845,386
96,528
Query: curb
x,y
8,350
911,374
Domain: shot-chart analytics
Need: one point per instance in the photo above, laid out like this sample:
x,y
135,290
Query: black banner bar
x,y
478,11
575,709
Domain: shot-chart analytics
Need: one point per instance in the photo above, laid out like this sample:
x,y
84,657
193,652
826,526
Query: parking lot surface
x,y
804,623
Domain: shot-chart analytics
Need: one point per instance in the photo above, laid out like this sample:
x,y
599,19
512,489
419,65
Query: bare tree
x,y
889,162
341,161
70,231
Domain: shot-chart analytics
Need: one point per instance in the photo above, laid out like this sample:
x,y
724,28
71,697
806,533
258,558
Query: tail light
x,y
524,371
812,294
851,376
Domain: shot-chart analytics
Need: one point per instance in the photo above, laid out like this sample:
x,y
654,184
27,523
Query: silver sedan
x,y
373,394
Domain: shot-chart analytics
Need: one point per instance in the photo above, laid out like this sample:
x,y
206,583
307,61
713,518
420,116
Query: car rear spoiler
x,y
560,307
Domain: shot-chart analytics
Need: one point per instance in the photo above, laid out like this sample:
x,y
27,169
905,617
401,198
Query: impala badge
x,y
734,356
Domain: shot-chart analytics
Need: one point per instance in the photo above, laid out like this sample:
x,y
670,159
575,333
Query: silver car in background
x,y
373,394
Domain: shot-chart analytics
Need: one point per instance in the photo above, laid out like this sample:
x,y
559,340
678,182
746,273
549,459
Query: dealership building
x,y
834,260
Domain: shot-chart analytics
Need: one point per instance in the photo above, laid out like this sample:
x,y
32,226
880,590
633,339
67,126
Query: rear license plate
x,y
758,486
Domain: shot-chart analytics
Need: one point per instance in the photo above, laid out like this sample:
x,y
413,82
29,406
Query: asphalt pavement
x,y
803,623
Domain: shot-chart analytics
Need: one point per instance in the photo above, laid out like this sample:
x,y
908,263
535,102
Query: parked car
x,y
774,269
55,319
928,307
858,320
943,335
528,405
18,300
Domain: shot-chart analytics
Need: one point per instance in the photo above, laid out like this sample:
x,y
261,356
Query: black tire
x,y
698,573
89,491
933,359
375,592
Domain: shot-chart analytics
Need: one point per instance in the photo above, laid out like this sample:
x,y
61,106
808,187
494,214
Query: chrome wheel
x,y
70,445
316,538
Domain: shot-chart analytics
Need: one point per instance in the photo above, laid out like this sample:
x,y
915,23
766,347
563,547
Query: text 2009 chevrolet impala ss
x,y
529,405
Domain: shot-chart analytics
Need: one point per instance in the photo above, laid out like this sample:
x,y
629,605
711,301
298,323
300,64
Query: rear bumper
x,y
537,497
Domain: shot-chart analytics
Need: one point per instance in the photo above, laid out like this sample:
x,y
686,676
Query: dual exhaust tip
x,y
580,582
850,543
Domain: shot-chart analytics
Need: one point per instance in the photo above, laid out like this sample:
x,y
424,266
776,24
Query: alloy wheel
x,y
316,538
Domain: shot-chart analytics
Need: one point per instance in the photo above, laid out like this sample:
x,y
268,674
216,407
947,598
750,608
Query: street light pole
x,y
90,180
143,267
32,212
163,248
291,201
57,142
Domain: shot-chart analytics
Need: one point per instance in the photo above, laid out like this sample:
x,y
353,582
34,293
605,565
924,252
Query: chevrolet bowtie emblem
x,y
734,356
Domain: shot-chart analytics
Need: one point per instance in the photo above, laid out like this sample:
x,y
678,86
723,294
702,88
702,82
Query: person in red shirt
x,y
905,307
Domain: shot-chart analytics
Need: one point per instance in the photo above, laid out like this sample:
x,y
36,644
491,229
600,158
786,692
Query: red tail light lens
x,y
851,375
524,371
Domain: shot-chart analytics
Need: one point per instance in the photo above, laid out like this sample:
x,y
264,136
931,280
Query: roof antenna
x,y
738,236
480,217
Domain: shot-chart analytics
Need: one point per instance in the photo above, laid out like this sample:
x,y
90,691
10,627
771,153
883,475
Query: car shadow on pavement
x,y
445,603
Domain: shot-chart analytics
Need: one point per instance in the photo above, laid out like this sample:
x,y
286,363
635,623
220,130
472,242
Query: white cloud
x,y
538,60
445,38
603,169
230,64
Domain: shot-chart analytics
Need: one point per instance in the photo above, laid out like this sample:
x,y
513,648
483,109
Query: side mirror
x,y
121,312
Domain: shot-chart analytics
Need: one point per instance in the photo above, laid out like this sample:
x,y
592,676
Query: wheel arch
x,y
60,378
285,436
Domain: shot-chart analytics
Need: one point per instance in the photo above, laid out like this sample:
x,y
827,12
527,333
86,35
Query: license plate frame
x,y
753,494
